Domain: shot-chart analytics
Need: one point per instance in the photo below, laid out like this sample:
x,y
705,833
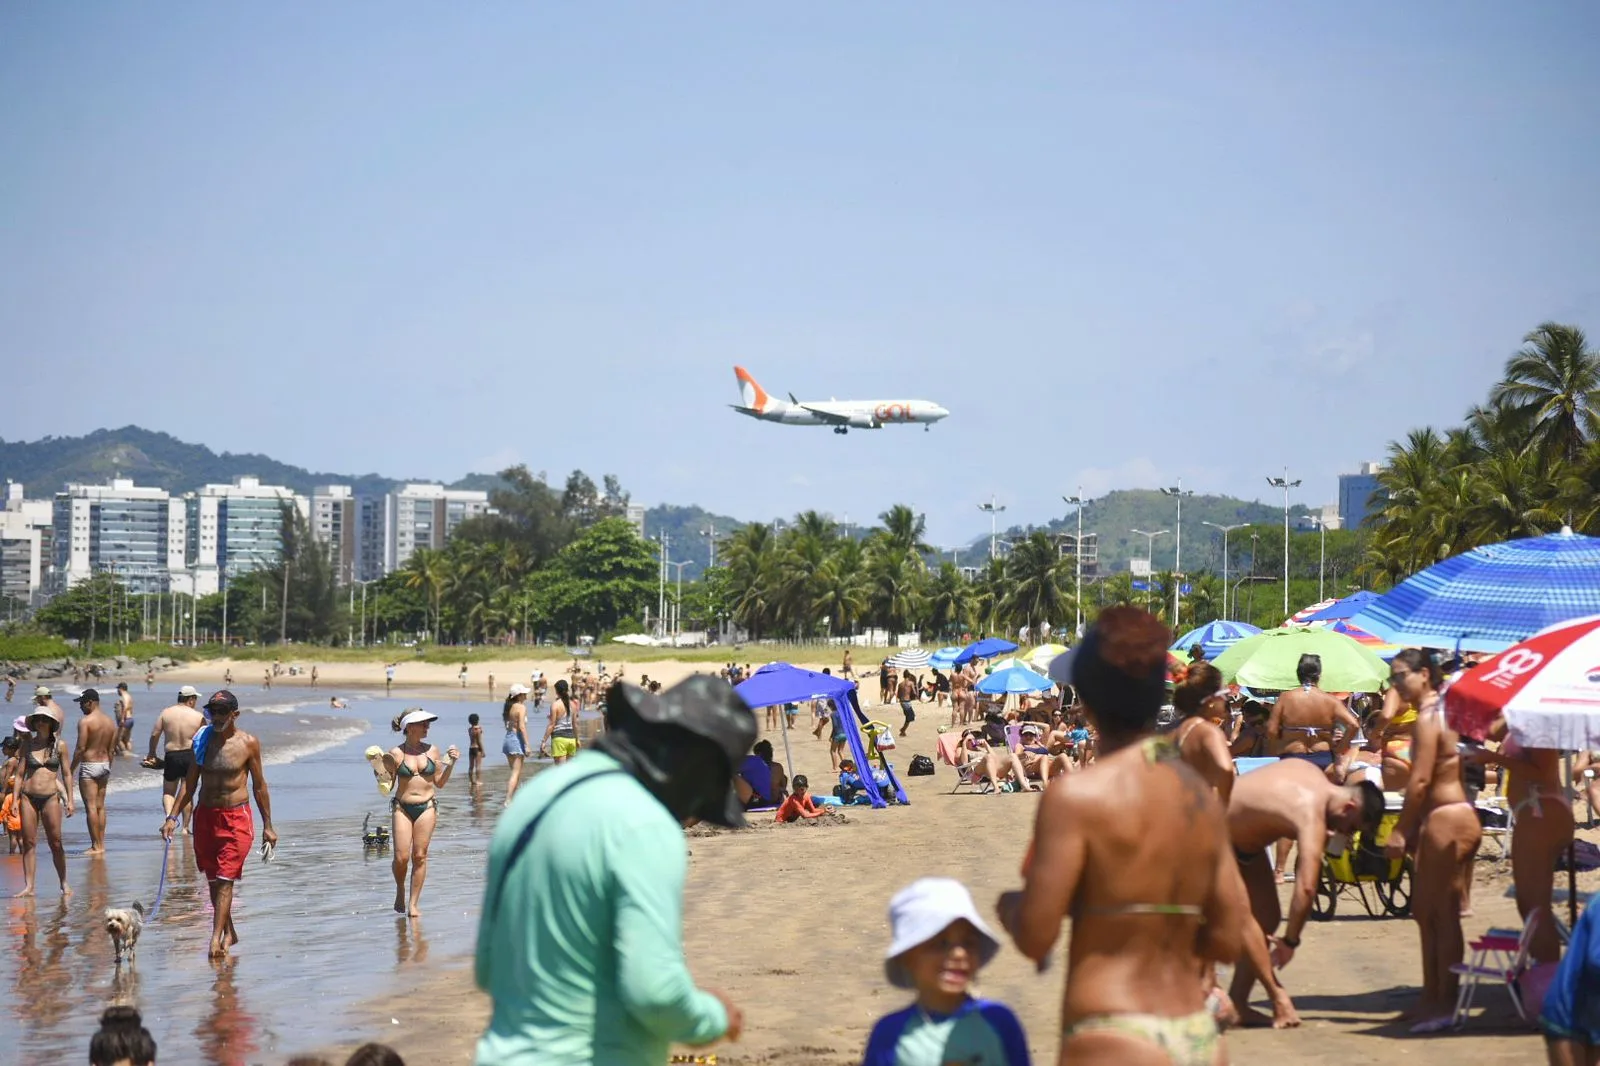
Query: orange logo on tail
x,y
750,392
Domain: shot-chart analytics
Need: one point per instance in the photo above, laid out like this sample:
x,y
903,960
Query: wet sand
x,y
790,921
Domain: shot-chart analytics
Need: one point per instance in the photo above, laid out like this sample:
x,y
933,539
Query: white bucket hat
x,y
518,689
416,716
921,911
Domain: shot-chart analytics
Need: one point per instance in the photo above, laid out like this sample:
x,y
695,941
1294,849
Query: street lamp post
x,y
1178,493
1255,546
1285,484
711,539
1149,550
677,606
1225,531
994,510
1078,500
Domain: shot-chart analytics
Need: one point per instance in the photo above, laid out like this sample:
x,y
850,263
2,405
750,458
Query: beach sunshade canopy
x,y
1014,679
1345,608
782,683
944,658
1268,661
987,648
1492,597
914,658
1214,637
1548,688
1303,617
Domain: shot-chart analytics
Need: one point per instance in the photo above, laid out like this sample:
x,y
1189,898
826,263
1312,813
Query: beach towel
x,y
949,746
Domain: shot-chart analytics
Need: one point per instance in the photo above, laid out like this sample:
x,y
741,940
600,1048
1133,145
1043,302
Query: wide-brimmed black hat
x,y
704,707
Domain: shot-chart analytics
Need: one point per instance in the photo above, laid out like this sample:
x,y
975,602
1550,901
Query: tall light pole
x,y
677,606
994,510
1255,547
1078,500
1178,493
1322,551
1285,484
1149,550
710,533
1225,531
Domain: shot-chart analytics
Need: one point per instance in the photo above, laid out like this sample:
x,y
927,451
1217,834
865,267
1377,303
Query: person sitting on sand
x,y
418,774
1441,825
580,934
989,763
226,758
1290,799
937,946
799,804
1037,762
753,780
1135,850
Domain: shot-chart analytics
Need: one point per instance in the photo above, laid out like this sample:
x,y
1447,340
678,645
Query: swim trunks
x,y
1320,759
94,771
222,840
175,765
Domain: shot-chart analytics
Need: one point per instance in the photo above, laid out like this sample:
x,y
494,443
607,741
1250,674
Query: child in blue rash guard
x,y
939,944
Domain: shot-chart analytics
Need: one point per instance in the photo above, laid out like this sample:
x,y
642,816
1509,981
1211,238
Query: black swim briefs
x,y
175,765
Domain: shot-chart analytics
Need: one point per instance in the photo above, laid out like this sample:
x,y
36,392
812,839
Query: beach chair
x,y
1496,957
947,748
1496,818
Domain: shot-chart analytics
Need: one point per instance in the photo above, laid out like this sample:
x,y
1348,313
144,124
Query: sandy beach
x,y
788,920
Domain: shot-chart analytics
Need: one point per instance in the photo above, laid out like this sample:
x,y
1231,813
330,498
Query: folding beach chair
x,y
947,748
1496,956
1496,818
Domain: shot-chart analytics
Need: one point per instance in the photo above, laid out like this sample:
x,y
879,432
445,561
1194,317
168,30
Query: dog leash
x,y
161,887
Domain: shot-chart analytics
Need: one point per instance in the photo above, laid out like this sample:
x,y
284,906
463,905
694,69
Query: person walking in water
x,y
42,781
176,725
561,735
514,713
225,759
124,713
418,775
91,765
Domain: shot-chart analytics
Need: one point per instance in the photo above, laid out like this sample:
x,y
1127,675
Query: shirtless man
x,y
1441,826
91,765
124,713
223,828
906,693
1289,799
177,725
848,669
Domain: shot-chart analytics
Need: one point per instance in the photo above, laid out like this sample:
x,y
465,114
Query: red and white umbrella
x,y
1302,619
1547,686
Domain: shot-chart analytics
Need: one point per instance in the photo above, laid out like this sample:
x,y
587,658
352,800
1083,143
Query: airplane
x,y
842,415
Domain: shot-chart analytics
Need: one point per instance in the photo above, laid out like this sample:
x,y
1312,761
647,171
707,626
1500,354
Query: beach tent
x,y
987,648
778,683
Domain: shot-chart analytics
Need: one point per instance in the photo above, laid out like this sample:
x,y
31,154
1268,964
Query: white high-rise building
x,y
335,522
26,538
137,534
235,529
424,516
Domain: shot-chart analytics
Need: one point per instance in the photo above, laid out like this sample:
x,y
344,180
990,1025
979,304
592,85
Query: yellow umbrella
x,y
1040,657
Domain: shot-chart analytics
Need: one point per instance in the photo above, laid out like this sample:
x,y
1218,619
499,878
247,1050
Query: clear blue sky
x,y
1123,243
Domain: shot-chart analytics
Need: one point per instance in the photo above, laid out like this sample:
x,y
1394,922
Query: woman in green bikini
x,y
418,775
1135,849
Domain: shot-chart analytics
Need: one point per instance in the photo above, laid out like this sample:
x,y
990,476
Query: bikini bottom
x,y
1187,1041
413,811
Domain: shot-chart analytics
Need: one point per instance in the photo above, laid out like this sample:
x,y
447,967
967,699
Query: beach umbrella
x,y
987,648
1303,617
1214,637
1013,679
910,658
1380,647
944,658
1039,658
1268,660
1345,608
1492,597
1007,663
1548,688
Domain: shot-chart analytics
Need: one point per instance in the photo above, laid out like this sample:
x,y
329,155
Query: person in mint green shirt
x,y
580,942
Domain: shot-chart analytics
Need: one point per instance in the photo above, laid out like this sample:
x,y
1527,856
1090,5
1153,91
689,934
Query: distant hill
x,y
160,460
685,528
1114,515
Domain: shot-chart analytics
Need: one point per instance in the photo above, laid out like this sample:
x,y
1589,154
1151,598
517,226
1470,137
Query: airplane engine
x,y
863,422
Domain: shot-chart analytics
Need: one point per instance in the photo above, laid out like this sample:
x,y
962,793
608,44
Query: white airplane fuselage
x,y
841,415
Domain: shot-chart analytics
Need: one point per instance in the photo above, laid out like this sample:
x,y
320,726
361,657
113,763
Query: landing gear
x,y
841,430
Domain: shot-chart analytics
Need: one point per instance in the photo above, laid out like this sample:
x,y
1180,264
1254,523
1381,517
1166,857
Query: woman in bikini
x,y
515,747
1389,736
1202,743
1440,825
561,735
418,776
38,791
1136,850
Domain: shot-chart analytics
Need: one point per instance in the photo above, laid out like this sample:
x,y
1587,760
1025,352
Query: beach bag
x,y
921,766
884,738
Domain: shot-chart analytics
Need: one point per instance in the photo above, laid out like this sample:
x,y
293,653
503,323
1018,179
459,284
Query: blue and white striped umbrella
x,y
910,658
1492,597
1215,637
944,658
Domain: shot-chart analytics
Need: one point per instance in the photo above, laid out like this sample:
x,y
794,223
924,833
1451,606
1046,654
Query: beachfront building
x,y
424,515
136,534
1068,547
1324,517
235,529
1358,494
334,522
371,512
27,533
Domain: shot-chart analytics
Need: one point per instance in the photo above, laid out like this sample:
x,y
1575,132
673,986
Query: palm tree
x,y
842,587
1511,499
1554,383
896,575
949,600
1037,577
429,570
903,529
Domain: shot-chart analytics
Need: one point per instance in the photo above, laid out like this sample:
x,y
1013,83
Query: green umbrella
x,y
1268,661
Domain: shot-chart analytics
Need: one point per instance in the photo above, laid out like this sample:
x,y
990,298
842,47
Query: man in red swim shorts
x,y
224,756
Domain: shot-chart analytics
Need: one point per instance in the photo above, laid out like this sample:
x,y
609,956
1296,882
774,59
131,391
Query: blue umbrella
x,y
1344,609
1215,637
989,647
944,658
1014,679
1492,597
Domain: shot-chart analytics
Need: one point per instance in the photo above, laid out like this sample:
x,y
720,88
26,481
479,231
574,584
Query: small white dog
x,y
124,927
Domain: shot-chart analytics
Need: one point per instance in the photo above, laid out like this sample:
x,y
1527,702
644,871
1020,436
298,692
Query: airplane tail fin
x,y
751,392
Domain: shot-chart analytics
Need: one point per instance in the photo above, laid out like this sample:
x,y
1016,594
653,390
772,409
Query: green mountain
x,y
1116,514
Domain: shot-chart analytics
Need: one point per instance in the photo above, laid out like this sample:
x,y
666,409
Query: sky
x,y
1123,243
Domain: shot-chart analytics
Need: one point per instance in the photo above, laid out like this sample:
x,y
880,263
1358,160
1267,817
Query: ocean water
x,y
316,924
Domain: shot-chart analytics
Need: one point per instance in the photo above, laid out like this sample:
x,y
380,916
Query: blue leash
x,y
162,887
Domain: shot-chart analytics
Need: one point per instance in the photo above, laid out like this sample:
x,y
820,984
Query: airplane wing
x,y
831,417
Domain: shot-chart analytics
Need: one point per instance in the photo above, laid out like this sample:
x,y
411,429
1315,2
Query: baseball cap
x,y
187,691
42,690
222,701
88,695
921,911
518,689
415,716
1030,727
